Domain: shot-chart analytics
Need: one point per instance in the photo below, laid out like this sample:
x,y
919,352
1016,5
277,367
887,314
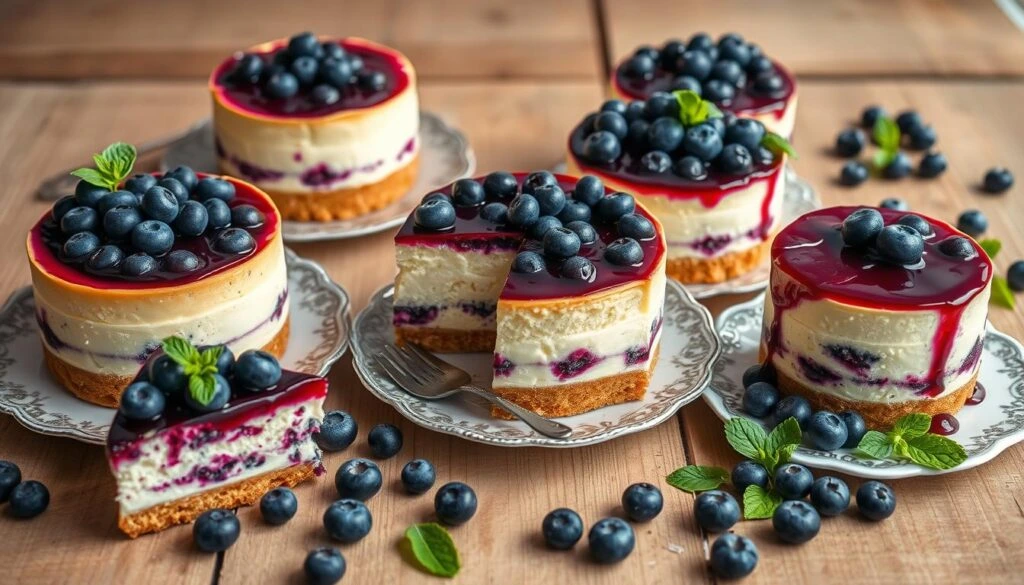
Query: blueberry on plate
x,y
527,262
972,222
216,530
703,142
792,406
900,244
894,203
759,399
385,440
898,167
876,500
642,502
523,211
796,521
656,162
234,241
826,431
870,115
213,188
281,85
908,120
181,261
142,401
611,540
348,520
89,195
495,212
192,219
28,499
611,207
337,431
716,510
152,237
561,242
435,214
550,198
62,206
79,219
139,264
185,175
119,221
80,245
257,370
115,199
538,179
246,216
543,224
467,193
455,503
578,268
747,473
759,373
735,160
278,505
601,147
613,122
665,134
690,167
583,229
218,213
624,252
501,184
179,191
922,137
575,211
745,131
793,481
589,189
862,227
830,495
1015,276
140,183
10,476
997,180
167,375
850,142
358,479
733,556
418,476
932,165
636,226
324,566
856,428
562,528
221,395
918,223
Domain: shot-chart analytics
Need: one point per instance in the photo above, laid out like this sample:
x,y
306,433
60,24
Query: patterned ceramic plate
x,y
985,429
445,156
689,348
319,336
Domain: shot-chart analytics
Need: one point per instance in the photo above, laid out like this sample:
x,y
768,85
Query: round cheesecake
x,y
99,320
734,74
851,329
333,134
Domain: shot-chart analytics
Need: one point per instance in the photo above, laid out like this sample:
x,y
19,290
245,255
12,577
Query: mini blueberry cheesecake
x,y
120,265
734,74
328,128
714,181
561,278
878,311
198,429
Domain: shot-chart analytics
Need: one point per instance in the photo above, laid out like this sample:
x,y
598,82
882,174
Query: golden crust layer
x,y
722,268
185,510
446,340
105,389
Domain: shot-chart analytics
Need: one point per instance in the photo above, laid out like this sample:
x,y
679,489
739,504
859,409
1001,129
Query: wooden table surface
x,y
514,77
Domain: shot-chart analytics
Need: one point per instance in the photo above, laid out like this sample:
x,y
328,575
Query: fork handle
x,y
544,426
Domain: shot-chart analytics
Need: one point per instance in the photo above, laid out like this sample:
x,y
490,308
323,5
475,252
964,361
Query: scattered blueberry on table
x,y
611,540
853,173
455,503
716,510
216,530
830,495
747,473
337,431
10,476
28,499
826,431
278,506
562,528
793,481
972,222
1015,276
348,520
642,502
796,521
358,479
324,566
997,180
418,476
875,500
385,441
733,556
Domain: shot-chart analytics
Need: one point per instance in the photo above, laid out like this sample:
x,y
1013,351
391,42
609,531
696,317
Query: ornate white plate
x,y
320,327
445,156
985,429
689,348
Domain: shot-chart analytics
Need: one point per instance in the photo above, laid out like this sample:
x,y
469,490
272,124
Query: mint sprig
x,y
434,549
697,478
778,145
1001,293
886,134
693,109
199,366
113,165
991,246
910,440
759,503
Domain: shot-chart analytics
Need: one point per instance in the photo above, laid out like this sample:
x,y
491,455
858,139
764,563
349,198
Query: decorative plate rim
x,y
708,361
844,461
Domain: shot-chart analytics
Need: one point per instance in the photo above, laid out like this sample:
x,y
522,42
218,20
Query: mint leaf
x,y
886,134
180,350
935,451
912,425
759,503
785,433
692,109
991,247
786,453
434,549
713,111
882,159
112,166
746,437
202,388
875,445
778,145
209,356
697,478
92,176
1001,293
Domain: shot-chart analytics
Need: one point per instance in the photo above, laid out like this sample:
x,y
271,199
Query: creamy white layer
x,y
894,349
162,473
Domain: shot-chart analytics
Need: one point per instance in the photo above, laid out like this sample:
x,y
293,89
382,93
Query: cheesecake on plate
x,y
876,310
562,279
327,127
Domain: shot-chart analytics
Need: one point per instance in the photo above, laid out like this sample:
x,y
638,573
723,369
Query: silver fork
x,y
423,375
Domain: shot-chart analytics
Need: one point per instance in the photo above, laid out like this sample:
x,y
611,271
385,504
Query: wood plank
x,y
159,40
952,528
919,37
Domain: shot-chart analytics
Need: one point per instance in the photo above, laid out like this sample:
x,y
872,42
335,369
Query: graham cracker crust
x,y
572,399
345,203
187,509
105,389
446,340
719,269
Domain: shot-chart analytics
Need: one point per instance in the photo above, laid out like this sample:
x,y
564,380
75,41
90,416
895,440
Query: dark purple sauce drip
x,y
816,372
857,361
944,424
978,396
414,315
972,359
579,361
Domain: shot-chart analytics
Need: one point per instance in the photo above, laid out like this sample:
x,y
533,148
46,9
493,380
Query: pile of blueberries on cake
x,y
323,69
132,232
716,71
561,224
898,243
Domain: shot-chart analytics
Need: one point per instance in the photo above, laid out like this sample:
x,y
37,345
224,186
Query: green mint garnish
x,y
692,109
697,478
433,549
1001,293
935,451
759,503
909,439
199,366
991,246
113,165
770,450
778,145
875,445
886,135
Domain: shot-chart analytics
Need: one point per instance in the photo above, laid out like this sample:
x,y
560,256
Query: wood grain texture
x,y
152,39
858,37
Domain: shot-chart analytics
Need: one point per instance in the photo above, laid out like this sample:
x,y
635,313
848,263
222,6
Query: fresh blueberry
x,y
736,52
728,71
690,167
922,137
79,219
467,193
234,241
358,479
900,244
562,528
281,85
139,264
192,219
635,110
152,236
636,226
792,406
656,162
221,395
997,180
225,360
760,64
179,191
687,83
826,431
585,231
550,198
932,165
304,69
875,500
642,502
850,142
28,499
218,213
612,122
745,131
348,520
303,44
830,495
527,262
181,261
337,431
213,188
184,175
735,159
972,222
159,203
10,476
257,370
716,511
898,167
62,206
767,83
796,521
371,80
418,476
748,473
501,185
703,142
759,373
793,481
336,73
611,540
856,428
119,222
700,42
215,530
324,94
665,134
167,375
695,64
523,211
578,268
385,441
495,212
115,199
543,225
108,256
601,147
561,242
435,214
455,503
719,91
733,556
142,401
278,505
894,203
759,399
246,216
617,106
324,566
574,211
907,120
870,115
247,70
1015,276
639,67
918,223
89,195
538,179
613,206
80,245
636,137
624,252
333,50
140,183
862,227
589,189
